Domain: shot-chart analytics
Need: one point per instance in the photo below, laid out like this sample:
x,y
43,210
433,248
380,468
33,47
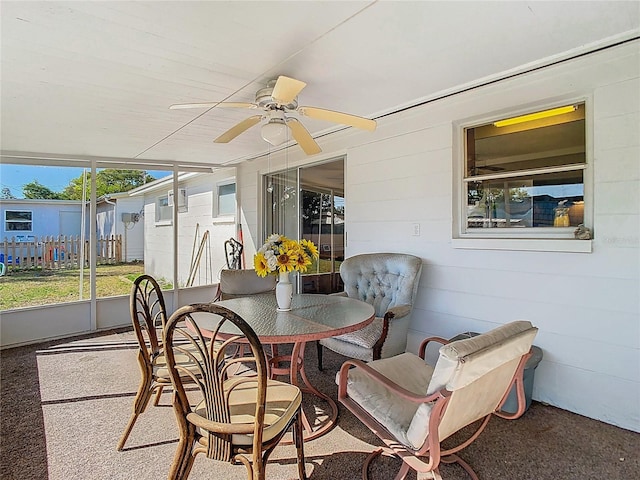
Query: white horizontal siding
x,y
586,305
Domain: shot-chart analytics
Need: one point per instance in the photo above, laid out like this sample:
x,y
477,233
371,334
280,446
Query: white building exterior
x,y
201,233
586,305
121,214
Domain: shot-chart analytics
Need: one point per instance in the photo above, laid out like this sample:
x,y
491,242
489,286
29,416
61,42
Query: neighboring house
x,y
121,214
26,220
206,218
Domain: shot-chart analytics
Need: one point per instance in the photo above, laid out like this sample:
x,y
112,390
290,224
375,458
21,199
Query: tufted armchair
x,y
389,282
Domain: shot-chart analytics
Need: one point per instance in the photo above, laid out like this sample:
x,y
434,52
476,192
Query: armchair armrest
x,y
217,427
397,311
378,377
339,294
423,345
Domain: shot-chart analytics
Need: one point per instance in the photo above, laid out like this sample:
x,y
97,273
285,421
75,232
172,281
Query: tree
x,y
36,190
6,194
107,181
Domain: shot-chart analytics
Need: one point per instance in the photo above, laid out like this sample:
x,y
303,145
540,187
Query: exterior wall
x,y
192,225
46,217
109,222
586,305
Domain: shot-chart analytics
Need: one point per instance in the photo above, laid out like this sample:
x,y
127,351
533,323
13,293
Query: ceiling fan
x,y
278,99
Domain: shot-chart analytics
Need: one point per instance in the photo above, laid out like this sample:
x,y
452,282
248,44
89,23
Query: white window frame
x,y
556,239
182,199
6,221
159,220
224,216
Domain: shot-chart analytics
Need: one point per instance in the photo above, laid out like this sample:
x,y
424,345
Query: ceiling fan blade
x,y
338,117
236,130
180,106
286,89
303,137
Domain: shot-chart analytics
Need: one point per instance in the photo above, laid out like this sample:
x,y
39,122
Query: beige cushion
x,y
365,337
283,400
240,283
407,370
483,367
478,371
463,361
182,360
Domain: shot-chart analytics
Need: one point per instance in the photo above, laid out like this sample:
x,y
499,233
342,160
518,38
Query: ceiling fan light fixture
x,y
275,132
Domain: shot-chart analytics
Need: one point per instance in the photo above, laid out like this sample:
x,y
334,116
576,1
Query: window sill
x,y
226,219
164,223
524,244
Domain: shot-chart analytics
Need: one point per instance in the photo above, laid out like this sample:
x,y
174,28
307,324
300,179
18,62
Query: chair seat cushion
x,y
283,400
394,413
365,337
160,369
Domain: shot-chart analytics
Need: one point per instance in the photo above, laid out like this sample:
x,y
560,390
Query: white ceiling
x,y
97,78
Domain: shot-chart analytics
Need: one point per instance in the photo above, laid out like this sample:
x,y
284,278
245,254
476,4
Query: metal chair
x,y
233,253
413,407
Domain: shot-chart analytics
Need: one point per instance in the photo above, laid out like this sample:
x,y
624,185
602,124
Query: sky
x,y
14,177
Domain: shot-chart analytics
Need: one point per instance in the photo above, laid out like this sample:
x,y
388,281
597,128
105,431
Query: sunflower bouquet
x,y
280,254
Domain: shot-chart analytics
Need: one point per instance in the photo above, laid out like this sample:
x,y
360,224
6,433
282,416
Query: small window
x,y
226,200
164,211
526,174
182,199
18,221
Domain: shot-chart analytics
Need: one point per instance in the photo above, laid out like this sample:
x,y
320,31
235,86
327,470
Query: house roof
x,y
95,79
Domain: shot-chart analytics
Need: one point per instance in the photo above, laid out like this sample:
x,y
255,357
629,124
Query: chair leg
x,y
139,406
299,442
182,461
456,459
127,431
319,349
158,395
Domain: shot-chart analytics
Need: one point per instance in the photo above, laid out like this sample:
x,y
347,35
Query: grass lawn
x,y
44,287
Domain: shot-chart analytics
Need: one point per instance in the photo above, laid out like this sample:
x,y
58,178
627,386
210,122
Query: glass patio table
x,y
312,317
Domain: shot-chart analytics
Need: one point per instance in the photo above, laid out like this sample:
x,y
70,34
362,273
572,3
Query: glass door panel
x,y
308,203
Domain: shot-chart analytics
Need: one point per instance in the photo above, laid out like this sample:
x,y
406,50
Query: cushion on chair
x,y
463,362
283,400
240,283
160,369
365,337
407,370
460,364
454,368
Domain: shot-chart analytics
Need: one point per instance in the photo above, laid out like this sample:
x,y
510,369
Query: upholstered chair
x,y
240,283
413,407
388,282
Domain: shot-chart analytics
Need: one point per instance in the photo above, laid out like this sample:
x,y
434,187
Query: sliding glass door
x,y
308,203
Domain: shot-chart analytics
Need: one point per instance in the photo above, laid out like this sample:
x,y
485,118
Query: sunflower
x,y
303,261
310,248
261,265
287,257
280,254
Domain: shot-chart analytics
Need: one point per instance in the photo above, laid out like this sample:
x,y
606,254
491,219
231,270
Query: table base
x,y
296,372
